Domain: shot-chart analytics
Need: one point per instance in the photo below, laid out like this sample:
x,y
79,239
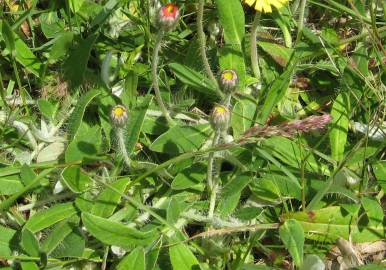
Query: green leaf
x,y
181,139
292,235
330,223
85,146
339,126
10,184
118,234
195,80
28,266
243,114
276,92
61,46
279,53
182,258
379,169
59,233
29,243
190,178
75,5
9,37
312,262
6,237
48,217
72,246
108,200
75,179
76,117
231,15
134,127
373,211
134,261
292,153
231,193
75,65
130,92
232,19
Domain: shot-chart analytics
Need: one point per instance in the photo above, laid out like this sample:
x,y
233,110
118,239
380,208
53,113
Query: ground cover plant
x,y
202,134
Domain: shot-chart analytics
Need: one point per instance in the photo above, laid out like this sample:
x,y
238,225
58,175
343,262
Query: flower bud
x,y
168,17
228,80
220,117
119,115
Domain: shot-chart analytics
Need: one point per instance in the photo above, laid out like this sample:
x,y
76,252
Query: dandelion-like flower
x,y
220,117
228,80
168,17
264,6
119,115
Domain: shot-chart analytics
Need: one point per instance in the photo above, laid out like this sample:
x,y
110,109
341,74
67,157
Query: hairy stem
x,y
301,21
154,75
254,55
122,146
202,41
211,177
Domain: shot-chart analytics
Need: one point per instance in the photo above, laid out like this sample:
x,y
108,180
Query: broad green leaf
x,y
86,145
374,211
130,93
29,243
6,244
108,8
59,233
243,114
133,261
24,55
107,201
48,217
8,37
10,184
312,262
379,169
28,266
152,256
279,53
190,178
194,79
276,92
330,223
61,46
182,258
134,127
76,180
292,235
76,117
339,126
181,139
115,233
73,245
232,19
231,193
291,153
75,5
75,65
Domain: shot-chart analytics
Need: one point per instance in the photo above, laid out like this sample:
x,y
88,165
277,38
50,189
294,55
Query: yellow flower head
x,y
119,115
220,117
264,6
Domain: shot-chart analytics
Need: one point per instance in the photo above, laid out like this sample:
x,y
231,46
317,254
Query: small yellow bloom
x,y
264,6
220,117
119,115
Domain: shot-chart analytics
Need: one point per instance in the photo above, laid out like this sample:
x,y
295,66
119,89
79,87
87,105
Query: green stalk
x,y
202,41
122,146
3,92
154,75
212,177
21,89
301,21
254,55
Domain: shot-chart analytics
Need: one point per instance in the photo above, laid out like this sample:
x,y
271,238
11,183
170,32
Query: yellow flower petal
x,y
265,6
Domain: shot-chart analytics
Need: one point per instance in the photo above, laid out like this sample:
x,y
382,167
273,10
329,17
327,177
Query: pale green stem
x,y
301,21
212,177
154,75
122,146
202,41
254,55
